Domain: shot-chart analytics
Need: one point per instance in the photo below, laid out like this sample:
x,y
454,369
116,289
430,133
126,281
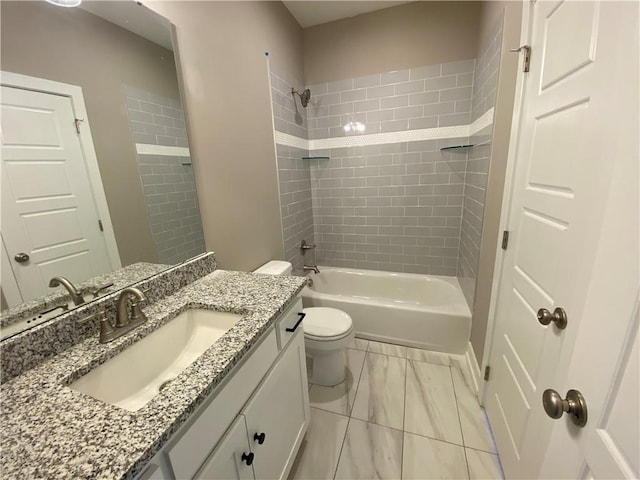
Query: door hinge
x,y
505,239
527,56
487,370
77,123
100,225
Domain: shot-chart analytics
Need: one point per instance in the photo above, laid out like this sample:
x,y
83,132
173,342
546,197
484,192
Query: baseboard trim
x,y
474,368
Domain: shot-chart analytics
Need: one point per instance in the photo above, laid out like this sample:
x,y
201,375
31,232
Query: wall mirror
x,y
96,166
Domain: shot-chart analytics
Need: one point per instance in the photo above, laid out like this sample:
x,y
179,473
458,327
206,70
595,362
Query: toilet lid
x,y
326,322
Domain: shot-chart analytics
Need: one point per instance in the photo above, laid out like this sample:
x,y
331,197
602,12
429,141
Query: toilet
x,y
327,333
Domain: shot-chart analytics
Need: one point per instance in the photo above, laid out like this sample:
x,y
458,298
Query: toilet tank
x,y
275,267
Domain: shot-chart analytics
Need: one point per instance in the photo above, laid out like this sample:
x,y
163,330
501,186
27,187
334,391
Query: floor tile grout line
x,y
404,416
349,416
355,393
460,423
344,439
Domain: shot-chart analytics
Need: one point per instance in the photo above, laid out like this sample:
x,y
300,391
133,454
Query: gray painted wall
x,y
221,47
396,38
72,46
485,86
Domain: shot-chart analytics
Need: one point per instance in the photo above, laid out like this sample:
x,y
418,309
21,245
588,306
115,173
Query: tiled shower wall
x,y
478,163
294,173
396,206
167,180
425,97
393,207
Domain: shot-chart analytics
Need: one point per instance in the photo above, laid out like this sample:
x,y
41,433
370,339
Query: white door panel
x,y
562,180
48,208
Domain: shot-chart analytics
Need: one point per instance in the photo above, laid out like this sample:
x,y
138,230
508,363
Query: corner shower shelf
x,y
456,147
461,147
316,158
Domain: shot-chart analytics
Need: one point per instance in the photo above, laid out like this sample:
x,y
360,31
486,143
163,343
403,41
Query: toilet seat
x,y
324,324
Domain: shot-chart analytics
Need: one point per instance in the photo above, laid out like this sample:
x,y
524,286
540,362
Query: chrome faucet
x,y
129,315
310,268
73,291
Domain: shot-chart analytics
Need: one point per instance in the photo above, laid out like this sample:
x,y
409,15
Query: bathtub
x,y
424,311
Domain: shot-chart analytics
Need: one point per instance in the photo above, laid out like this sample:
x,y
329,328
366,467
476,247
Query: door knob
x,y
559,317
21,257
575,405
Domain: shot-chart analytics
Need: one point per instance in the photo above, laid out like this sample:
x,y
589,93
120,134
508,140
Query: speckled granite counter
x,y
49,430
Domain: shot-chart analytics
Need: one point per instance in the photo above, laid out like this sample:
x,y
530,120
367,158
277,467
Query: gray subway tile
x,y
453,119
424,98
397,76
440,83
367,105
425,72
367,81
394,126
380,116
340,85
394,102
462,93
462,66
408,112
378,92
409,87
353,95
425,122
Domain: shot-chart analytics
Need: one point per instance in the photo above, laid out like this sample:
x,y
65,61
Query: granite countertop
x,y
49,430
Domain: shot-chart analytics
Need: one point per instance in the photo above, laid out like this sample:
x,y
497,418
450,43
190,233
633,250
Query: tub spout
x,y
310,268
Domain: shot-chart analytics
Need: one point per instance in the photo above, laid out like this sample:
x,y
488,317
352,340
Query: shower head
x,y
304,96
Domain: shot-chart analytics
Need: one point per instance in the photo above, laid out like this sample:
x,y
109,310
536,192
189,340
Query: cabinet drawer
x,y
290,323
196,443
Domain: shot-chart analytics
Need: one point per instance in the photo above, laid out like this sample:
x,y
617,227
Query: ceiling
x,y
135,17
310,13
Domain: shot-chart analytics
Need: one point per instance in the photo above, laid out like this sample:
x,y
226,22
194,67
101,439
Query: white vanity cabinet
x,y
276,419
252,426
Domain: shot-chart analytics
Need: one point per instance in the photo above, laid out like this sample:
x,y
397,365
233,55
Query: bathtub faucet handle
x,y
306,246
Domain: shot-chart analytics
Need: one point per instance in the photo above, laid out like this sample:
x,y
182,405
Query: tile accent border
x,y
291,140
384,138
149,149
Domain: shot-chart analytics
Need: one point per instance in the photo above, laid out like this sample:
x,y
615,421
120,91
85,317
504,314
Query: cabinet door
x,y
225,462
279,409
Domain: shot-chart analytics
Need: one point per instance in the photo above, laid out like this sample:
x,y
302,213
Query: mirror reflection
x,y
96,166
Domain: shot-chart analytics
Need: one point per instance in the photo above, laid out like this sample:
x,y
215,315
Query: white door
x,y
48,209
229,460
565,158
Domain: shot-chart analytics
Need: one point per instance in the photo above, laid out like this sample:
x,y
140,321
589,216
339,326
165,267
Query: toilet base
x,y
328,368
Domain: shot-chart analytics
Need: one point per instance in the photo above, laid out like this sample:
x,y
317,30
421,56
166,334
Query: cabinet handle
x,y
301,315
248,459
259,438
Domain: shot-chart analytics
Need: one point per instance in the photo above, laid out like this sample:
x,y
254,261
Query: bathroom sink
x,y
134,376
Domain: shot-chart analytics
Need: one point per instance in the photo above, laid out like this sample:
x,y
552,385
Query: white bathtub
x,y
424,311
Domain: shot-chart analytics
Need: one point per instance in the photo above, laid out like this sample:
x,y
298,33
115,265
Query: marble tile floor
x,y
401,413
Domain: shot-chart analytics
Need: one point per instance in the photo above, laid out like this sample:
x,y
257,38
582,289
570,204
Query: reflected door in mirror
x,y
48,209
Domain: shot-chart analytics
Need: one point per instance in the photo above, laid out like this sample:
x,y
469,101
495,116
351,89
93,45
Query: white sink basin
x,y
134,376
